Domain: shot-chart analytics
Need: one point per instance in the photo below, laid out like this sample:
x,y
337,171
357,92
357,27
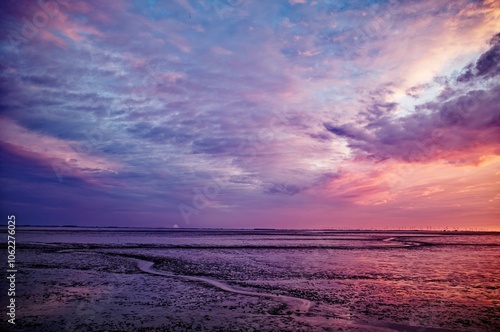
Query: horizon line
x,y
437,229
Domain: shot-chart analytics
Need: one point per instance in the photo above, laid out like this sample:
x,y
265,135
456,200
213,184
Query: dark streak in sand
x,y
299,304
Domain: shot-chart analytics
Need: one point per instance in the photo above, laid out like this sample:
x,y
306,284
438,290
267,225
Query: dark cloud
x,y
243,179
346,131
464,123
291,189
283,189
22,165
322,137
162,133
339,131
456,122
217,145
487,66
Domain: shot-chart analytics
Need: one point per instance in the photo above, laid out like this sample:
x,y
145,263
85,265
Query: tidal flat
x,y
105,279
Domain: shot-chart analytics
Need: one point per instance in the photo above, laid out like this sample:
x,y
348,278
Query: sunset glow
x,y
251,114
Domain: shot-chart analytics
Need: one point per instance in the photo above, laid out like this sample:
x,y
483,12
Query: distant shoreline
x,y
258,230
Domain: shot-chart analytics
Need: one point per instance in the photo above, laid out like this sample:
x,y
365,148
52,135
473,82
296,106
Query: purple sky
x,y
235,113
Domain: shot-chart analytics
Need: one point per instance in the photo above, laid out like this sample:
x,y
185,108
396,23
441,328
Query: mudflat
x,y
256,280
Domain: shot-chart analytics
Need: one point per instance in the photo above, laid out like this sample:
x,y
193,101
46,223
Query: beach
x,y
76,279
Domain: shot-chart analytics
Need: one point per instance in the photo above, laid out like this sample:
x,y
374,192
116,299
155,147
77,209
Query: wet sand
x,y
82,287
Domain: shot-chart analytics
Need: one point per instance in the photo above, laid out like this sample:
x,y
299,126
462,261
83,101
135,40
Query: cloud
x,y
66,158
282,188
487,66
145,102
461,125
346,131
295,2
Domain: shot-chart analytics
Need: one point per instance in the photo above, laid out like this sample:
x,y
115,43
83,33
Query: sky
x,y
243,114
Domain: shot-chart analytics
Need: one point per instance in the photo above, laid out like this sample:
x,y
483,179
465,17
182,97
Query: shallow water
x,y
421,279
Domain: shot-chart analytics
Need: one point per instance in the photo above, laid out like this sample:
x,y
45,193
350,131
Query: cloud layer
x,y
232,114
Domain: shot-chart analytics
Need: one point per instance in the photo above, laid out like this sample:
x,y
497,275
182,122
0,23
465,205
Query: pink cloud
x,y
69,158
